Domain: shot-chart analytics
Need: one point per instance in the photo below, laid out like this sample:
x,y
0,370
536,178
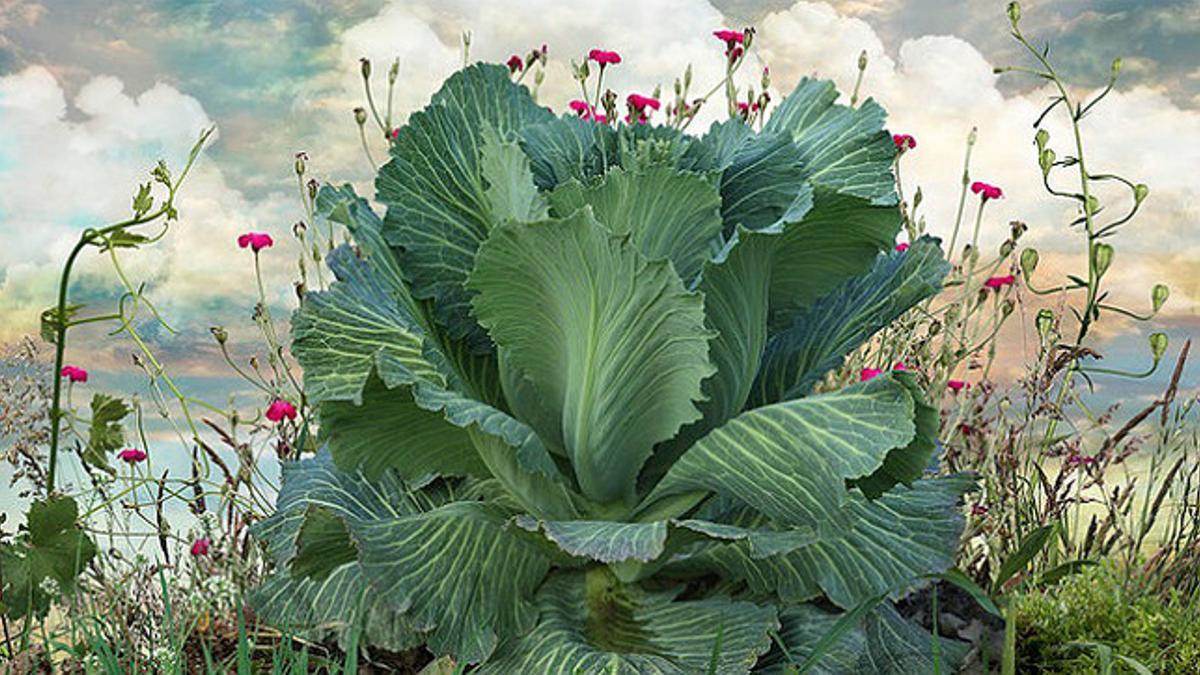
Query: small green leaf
x,y
123,238
52,321
1159,295
1029,262
1032,545
105,435
1158,345
143,200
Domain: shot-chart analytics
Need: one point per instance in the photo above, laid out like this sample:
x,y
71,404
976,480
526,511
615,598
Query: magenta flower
x,y
131,455
979,510
579,106
395,133
902,246
255,240
200,547
900,365
956,385
997,283
869,374
604,58
515,63
904,142
986,190
730,37
735,53
74,373
280,409
640,102
599,119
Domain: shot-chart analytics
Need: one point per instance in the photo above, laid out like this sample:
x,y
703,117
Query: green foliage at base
x,y
1094,606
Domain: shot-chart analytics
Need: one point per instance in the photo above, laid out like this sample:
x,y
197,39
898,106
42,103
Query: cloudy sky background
x,y
93,92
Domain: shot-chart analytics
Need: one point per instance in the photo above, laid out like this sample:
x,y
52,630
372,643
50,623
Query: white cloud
x,y
69,168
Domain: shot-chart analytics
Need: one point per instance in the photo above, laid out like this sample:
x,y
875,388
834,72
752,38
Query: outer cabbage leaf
x,y
594,625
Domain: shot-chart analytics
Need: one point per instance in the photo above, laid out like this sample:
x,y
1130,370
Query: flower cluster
x,y
255,240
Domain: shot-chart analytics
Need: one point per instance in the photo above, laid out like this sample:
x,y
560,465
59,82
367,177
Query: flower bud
x,y
1116,68
360,116
1007,247
1044,322
687,76
934,328
313,186
300,157
1029,262
1092,205
1159,295
973,136
766,78
1102,255
1014,12
917,198
299,229
1140,192
1042,137
219,333
748,37
862,60
1158,345
365,64
1007,307
1017,228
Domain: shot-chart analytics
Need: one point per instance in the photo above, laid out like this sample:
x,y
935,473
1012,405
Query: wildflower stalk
x,y
61,320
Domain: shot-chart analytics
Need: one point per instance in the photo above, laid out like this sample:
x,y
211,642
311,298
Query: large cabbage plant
x,y
566,399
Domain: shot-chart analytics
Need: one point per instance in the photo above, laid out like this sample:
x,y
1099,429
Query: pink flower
x,y
280,409
986,190
599,119
640,102
869,374
956,385
579,106
74,373
979,510
902,246
904,142
255,240
200,546
735,53
730,37
131,455
1000,282
515,63
900,365
604,58
743,107
395,133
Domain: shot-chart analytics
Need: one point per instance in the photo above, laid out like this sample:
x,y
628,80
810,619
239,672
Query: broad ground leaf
x,y
460,571
305,595
389,430
590,623
438,206
820,337
669,214
882,546
843,148
884,643
791,460
51,553
612,343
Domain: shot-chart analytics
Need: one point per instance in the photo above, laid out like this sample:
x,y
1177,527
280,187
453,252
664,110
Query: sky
x,y
93,92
